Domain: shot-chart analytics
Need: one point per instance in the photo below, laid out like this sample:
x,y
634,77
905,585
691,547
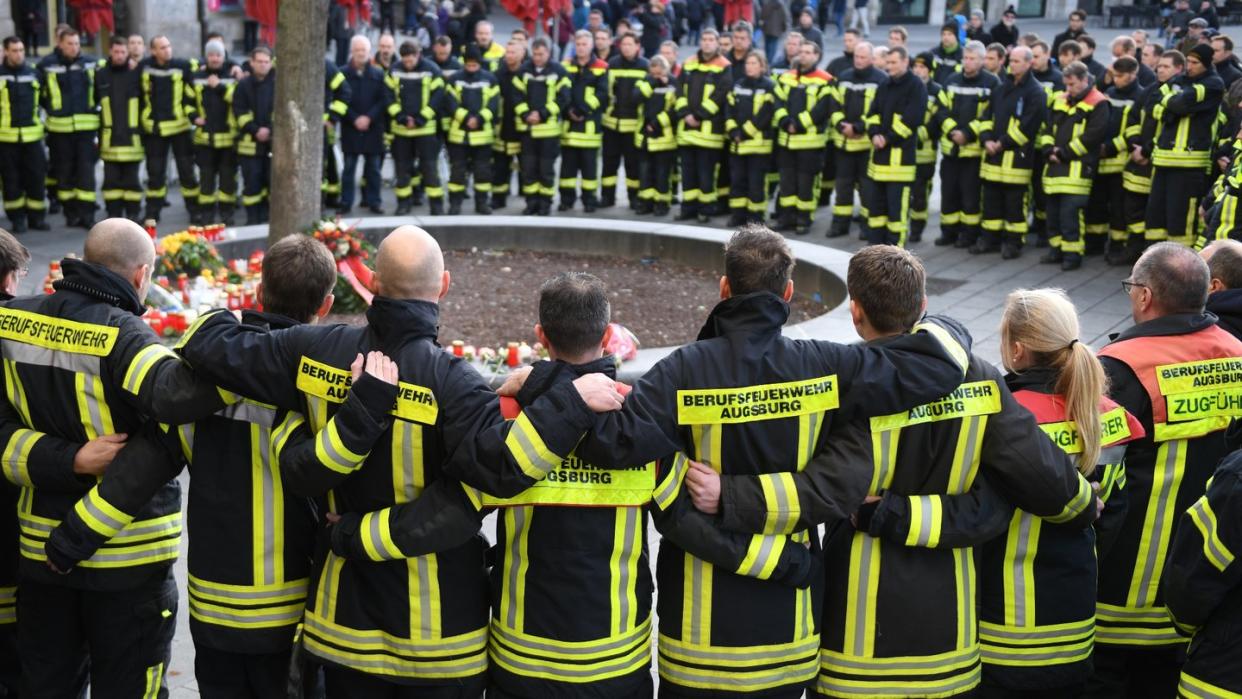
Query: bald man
x,y
82,365
373,614
1224,261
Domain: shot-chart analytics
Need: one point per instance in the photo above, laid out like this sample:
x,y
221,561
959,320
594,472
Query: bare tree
x,y
297,128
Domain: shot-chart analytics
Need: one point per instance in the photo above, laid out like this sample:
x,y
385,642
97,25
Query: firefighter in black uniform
x,y
702,87
1050,79
336,95
582,136
415,118
851,148
508,143
472,101
925,155
892,123
215,136
167,107
68,78
23,162
621,120
1105,215
423,618
947,56
543,99
118,87
749,126
804,98
656,137
253,102
964,102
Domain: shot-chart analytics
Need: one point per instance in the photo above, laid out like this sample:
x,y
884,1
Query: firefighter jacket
x,y
588,98
928,136
745,399
418,94
508,138
544,91
748,116
896,114
1017,113
918,460
99,370
493,56
1187,118
120,94
1136,177
19,104
657,132
854,95
215,105
964,104
1077,126
448,68
474,95
69,92
253,103
1124,121
702,92
167,96
1051,81
412,620
1179,375
336,96
803,101
1203,584
946,63
624,104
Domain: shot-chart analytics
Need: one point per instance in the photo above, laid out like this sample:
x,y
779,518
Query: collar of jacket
x,y
1041,379
270,321
5,296
1226,305
548,373
100,284
759,313
1173,324
397,322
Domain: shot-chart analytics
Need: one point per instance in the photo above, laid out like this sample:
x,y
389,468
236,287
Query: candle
x,y
512,358
459,348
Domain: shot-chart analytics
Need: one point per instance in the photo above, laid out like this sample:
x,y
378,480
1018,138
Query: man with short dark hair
x,y
804,98
851,148
947,56
1094,67
23,160
587,87
118,88
166,115
621,120
964,104
892,123
254,103
842,63
507,148
1223,60
212,88
472,103
1105,220
1076,28
418,88
543,90
1224,260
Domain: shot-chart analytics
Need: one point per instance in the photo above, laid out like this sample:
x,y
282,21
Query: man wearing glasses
x,y
14,263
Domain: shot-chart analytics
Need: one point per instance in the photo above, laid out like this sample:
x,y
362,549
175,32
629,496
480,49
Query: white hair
x,y
359,40
975,47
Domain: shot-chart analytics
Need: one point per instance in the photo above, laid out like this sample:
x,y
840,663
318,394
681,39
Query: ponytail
x,y
1081,383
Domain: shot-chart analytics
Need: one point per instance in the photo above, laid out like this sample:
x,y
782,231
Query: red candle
x,y
458,347
149,224
512,359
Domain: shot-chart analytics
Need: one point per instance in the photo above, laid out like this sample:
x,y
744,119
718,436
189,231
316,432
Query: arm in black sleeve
x,y
160,384
446,515
1202,568
645,428
36,459
245,358
942,521
1112,480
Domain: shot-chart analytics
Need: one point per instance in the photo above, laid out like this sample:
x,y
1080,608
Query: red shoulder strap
x,y
1046,407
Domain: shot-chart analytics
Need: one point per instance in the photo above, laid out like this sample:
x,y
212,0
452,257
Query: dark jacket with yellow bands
x,y
215,104
1179,375
69,92
656,131
20,91
336,96
748,116
1077,125
98,370
896,114
588,98
1135,177
744,399
119,91
622,113
508,138
964,104
167,96
417,94
472,95
254,101
1124,121
412,620
1017,112
1203,584
702,91
1187,115
928,136
804,101
546,91
855,91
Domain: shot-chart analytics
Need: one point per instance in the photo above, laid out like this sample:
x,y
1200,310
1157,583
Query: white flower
x,y
327,226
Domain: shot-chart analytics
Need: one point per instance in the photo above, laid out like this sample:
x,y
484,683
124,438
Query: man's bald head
x,y
119,245
1176,277
1224,261
410,266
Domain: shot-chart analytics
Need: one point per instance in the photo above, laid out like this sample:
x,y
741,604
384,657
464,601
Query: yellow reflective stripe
x,y
17,456
707,444
377,537
516,562
529,450
100,515
553,650
376,652
780,497
864,583
1158,518
141,365
16,391
636,657
1214,550
332,452
1044,656
711,406
835,662
884,447
696,605
154,681
407,461
926,517
667,490
247,595
1165,432
264,618
8,605
1021,545
955,350
967,400
1191,686
628,526
329,582
762,555
1081,501
57,333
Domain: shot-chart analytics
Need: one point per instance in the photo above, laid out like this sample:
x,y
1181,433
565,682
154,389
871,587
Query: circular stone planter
x,y
819,273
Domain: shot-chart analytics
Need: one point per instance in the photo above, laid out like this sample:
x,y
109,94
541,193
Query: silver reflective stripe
x,y
88,502
1036,635
41,356
532,646
249,596
353,638
886,450
14,464
1185,687
291,616
964,562
860,613
1161,492
833,687
338,459
696,601
408,465
765,552
514,563
993,653
326,592
105,556
422,566
246,411
968,455
707,445
147,529
812,426
672,480
1210,538
268,494
1019,568
532,454
623,566
786,675
92,406
781,506
925,520
1113,455
37,525
381,665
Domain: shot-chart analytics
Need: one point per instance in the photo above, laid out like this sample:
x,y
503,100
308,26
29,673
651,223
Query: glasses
x,y
1127,285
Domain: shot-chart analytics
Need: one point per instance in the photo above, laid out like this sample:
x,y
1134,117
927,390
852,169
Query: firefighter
x,y
1049,77
1157,369
892,123
948,55
963,103
925,155
490,52
214,138
581,138
748,123
14,260
118,87
543,99
1222,213
1182,152
429,631
851,148
804,97
472,98
621,121
702,89
336,96
1105,214
68,98
1010,138
24,167
167,107
414,115
253,102
1077,124
1136,178
508,144
656,137
109,619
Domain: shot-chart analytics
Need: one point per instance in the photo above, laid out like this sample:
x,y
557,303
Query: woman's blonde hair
x,y
1045,322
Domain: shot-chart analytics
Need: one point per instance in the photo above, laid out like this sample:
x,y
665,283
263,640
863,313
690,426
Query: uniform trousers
x,y
23,170
698,178
73,166
538,159
798,170
888,212
1004,214
1065,222
959,198
851,174
1122,672
122,189
216,166
579,163
1173,208
619,149
417,157
157,149
748,184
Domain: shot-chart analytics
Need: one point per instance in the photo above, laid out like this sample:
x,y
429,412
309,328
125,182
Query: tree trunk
x,y
297,125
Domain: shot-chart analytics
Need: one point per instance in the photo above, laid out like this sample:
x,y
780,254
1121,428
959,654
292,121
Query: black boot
x,y
436,204
499,201
265,211
17,222
403,206
840,227
482,205
737,219
643,206
132,209
1011,251
38,221
917,227
1052,257
532,206
1071,262
53,203
252,215
688,211
589,202
416,199
660,209
153,211
226,215
545,206
1094,245
86,214
1126,256
567,202
114,209
609,200
455,203
948,236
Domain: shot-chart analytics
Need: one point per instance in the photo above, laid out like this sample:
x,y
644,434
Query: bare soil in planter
x,y
494,296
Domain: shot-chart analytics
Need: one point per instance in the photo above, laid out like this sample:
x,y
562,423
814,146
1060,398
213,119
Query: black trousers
x,y
538,159
415,161
1039,204
157,148
1101,206
620,148
959,197
503,169
73,166
466,162
331,185
224,675
1004,213
1065,222
888,212
122,189
920,193
1134,210
798,171
1173,208
347,684
851,173
748,184
10,662
217,169
827,175
23,168
579,163
655,170
117,640
698,177
1121,673
257,177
